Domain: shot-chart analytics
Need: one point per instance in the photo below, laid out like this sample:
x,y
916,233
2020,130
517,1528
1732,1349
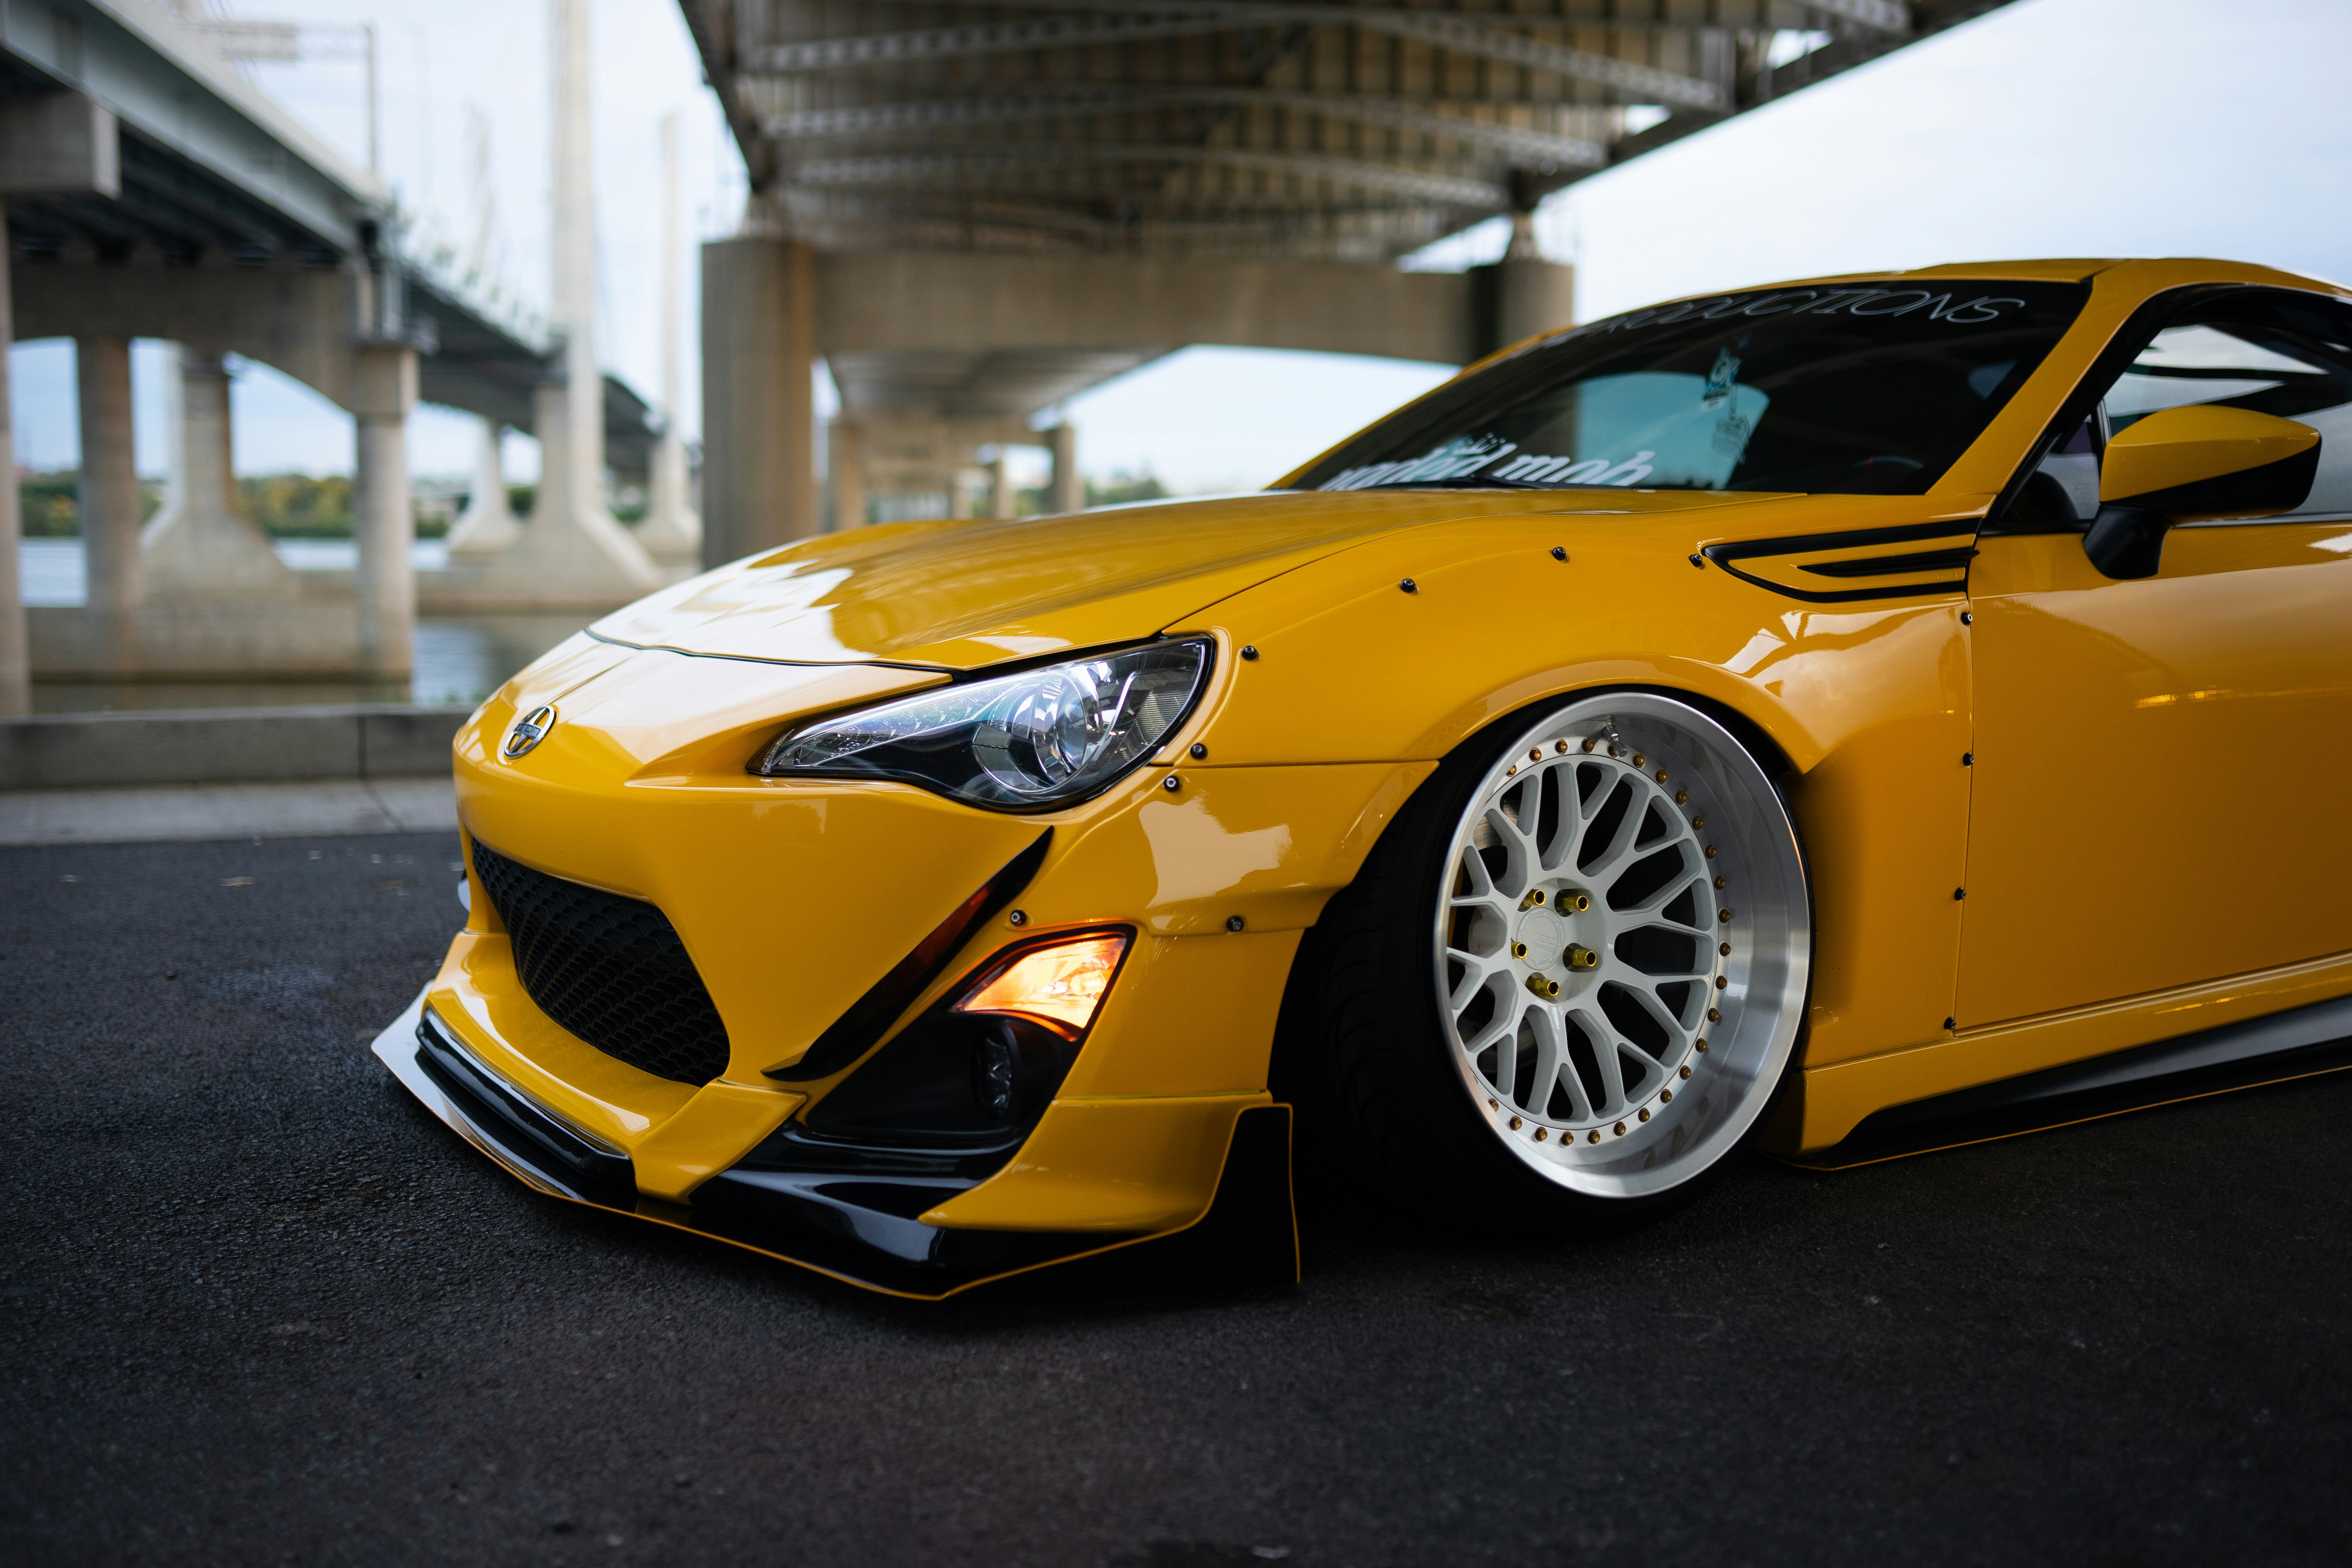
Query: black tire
x,y
1364,1052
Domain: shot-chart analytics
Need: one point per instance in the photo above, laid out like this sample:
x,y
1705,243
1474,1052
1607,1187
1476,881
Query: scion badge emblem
x,y
529,731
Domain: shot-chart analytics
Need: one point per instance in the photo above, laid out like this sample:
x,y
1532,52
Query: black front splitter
x,y
851,1228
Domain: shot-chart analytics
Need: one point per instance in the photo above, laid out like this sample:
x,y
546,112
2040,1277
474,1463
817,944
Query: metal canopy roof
x,y
1349,129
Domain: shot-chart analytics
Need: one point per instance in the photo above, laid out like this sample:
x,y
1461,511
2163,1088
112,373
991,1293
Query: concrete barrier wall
x,y
240,745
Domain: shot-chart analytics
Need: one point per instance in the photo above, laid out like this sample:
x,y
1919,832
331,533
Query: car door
x,y
2161,765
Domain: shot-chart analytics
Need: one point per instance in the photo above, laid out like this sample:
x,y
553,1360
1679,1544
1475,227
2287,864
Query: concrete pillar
x,y
16,663
1069,491
759,411
202,545
1000,486
847,467
958,493
574,555
383,391
1521,295
1532,296
109,500
549,421
488,525
671,532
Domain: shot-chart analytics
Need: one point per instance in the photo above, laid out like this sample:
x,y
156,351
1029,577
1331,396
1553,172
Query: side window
x,y
2286,354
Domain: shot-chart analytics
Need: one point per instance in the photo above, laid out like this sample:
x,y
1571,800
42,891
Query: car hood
x,y
961,595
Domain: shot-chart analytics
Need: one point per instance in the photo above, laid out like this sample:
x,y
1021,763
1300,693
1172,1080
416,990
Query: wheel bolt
x,y
1518,949
1535,896
1574,903
1542,987
1578,956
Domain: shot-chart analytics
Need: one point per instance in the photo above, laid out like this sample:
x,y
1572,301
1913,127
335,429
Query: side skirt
x,y
2299,1043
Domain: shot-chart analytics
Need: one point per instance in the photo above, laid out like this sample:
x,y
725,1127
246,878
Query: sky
x,y
2048,128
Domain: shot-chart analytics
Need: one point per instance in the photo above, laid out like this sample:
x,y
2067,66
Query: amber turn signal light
x,y
1060,985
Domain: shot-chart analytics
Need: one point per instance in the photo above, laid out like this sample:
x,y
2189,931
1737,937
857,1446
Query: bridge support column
x,y
1068,489
549,423
845,465
1000,486
15,661
109,502
487,524
759,414
384,386
202,545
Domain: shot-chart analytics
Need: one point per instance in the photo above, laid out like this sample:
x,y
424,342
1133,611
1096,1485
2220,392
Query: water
x,y
461,660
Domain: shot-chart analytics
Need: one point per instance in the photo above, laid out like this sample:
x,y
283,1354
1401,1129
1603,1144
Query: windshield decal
x,y
1955,308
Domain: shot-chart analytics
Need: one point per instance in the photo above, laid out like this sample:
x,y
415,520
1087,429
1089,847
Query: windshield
x,y
1867,389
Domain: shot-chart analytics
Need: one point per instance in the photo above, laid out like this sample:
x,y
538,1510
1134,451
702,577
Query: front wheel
x,y
1569,982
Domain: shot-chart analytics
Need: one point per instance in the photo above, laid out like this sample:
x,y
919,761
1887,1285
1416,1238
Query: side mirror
x,y
2186,463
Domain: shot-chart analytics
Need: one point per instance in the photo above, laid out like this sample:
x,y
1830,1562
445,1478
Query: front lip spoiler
x,y
1248,1234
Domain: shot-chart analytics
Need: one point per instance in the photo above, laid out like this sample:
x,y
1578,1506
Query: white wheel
x,y
1622,946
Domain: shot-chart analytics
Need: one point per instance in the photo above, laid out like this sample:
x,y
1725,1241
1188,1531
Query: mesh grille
x,y
609,969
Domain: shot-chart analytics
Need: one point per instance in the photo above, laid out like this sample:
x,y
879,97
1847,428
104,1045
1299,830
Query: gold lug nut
x,y
1702,1040
1515,1124
1724,948
1541,1134
1518,949
1535,896
1681,797
1591,745
1580,956
1491,1106
1723,915
1721,981
1644,1114
1686,1072
1536,755
1719,882
1509,770
1561,747
1662,776
1621,1129
1713,1018
1574,903
1710,851
1665,1097
1543,987
1637,759
1593,1136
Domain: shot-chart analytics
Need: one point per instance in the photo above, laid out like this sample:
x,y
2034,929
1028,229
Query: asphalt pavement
x,y
259,1309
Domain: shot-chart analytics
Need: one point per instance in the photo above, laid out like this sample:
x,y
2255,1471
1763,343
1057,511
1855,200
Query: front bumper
x,y
794,903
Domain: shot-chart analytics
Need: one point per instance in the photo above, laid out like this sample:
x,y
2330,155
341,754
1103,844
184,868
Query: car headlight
x,y
1044,737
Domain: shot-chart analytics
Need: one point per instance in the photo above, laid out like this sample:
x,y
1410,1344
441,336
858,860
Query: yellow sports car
x,y
1837,718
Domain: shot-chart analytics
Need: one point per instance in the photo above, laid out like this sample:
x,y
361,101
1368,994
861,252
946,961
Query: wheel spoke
x,y
1603,1035
1477,970
1482,884
1620,851
1699,965
1505,1020
1551,1055
1650,1002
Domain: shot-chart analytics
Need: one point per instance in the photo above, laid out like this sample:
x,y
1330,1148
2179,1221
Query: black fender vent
x,y
611,969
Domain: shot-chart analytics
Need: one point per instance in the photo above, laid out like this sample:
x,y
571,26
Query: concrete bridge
x,y
972,211
151,190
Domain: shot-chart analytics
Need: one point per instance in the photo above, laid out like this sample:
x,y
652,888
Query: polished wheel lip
x,y
1675,1106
